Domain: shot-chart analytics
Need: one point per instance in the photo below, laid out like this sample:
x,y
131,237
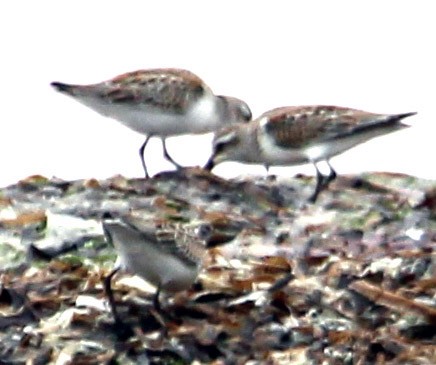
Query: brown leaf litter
x,y
349,280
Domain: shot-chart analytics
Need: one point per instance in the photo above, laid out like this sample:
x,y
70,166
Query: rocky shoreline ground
x,y
348,280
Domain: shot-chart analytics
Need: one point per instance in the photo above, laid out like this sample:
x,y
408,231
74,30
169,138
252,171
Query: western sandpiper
x,y
302,134
168,257
160,102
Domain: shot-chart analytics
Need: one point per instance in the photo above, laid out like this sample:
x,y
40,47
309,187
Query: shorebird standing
x,y
167,257
301,134
160,102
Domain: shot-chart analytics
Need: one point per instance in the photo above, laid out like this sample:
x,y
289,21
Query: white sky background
x,y
378,56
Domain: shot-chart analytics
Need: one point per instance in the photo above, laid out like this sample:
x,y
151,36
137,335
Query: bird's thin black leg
x,y
110,295
332,175
168,157
122,331
141,155
320,183
156,303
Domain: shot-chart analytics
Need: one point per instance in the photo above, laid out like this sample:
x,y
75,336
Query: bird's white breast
x,y
199,117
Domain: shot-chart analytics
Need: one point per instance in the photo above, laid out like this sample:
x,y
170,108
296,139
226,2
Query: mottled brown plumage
x,y
297,127
170,89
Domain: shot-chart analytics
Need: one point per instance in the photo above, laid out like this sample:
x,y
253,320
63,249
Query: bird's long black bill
x,y
210,164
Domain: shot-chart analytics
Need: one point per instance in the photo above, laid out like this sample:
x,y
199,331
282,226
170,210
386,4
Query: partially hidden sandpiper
x,y
168,257
301,134
160,102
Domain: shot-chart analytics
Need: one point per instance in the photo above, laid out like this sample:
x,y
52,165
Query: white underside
x,y
272,155
201,117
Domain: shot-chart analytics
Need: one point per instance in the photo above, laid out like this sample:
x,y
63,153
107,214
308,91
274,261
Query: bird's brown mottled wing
x,y
296,127
171,239
170,89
